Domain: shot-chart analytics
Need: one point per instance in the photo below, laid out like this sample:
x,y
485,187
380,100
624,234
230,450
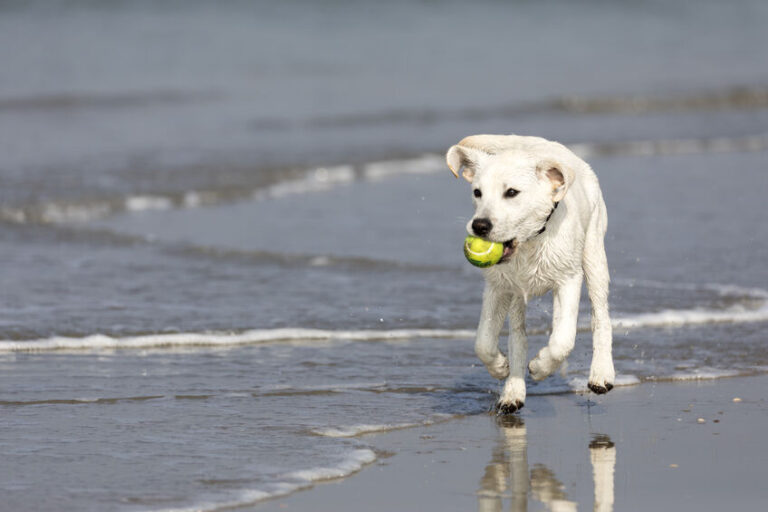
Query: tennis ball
x,y
482,253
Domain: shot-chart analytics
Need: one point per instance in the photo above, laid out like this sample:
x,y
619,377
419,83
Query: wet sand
x,y
657,446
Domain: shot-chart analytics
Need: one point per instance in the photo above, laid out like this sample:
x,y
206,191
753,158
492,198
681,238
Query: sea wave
x,y
672,318
683,317
218,339
719,288
84,210
318,179
71,101
731,98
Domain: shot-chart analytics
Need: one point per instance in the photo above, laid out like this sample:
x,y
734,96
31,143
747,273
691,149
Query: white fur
x,y
569,250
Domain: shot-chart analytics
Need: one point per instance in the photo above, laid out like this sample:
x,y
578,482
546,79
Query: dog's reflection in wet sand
x,y
507,475
602,454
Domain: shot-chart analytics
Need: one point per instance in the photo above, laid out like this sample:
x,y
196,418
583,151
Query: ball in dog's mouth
x,y
509,249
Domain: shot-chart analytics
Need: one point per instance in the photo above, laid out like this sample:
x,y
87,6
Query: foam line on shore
x,y
737,313
752,307
218,339
291,482
366,428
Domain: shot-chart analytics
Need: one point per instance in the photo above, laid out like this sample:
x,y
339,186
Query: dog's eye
x,y
511,192
478,193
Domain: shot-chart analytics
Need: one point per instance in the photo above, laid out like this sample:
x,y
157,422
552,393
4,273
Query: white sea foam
x,y
353,463
337,386
757,142
289,483
146,203
315,180
683,317
736,313
70,212
215,339
325,178
61,212
756,311
425,164
704,373
364,428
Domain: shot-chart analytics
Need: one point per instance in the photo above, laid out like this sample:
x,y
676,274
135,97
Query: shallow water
x,y
224,267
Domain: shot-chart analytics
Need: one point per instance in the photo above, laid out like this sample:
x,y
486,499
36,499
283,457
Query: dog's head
x,y
515,186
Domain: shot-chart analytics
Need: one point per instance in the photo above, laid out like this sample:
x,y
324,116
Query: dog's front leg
x,y
513,395
601,373
565,313
495,308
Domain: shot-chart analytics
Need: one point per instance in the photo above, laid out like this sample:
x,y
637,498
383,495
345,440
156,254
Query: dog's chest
x,y
534,270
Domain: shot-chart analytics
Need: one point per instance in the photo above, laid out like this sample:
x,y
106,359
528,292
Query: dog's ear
x,y
463,159
559,176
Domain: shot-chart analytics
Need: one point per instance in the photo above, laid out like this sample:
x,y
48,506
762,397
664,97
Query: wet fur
x,y
567,252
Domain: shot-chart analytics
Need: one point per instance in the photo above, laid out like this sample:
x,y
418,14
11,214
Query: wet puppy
x,y
544,204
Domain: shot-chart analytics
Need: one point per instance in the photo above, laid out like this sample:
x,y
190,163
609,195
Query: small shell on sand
x,y
701,420
737,399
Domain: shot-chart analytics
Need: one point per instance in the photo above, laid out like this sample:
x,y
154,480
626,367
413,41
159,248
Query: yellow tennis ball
x,y
482,253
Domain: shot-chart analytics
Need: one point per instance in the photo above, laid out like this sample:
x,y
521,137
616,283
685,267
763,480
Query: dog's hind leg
x,y
601,374
565,312
494,312
513,395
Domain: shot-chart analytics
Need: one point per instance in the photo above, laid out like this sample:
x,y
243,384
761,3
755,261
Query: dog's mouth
x,y
509,249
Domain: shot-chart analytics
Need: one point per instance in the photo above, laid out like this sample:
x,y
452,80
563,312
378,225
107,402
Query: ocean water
x,y
232,251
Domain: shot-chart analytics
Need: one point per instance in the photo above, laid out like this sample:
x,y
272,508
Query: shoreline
x,y
659,445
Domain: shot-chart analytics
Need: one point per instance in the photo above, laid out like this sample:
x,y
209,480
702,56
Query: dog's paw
x,y
601,375
499,369
503,408
543,365
512,396
600,389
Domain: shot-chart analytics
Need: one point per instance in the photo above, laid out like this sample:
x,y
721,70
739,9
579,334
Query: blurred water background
x,y
231,246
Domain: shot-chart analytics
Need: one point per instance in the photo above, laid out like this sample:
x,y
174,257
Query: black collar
x,y
544,227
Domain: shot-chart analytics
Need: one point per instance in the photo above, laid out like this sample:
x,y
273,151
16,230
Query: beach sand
x,y
657,446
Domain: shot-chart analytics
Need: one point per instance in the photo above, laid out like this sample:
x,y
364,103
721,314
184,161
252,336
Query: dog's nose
x,y
481,227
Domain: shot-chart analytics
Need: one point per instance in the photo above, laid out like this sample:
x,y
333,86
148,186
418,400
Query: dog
x,y
545,205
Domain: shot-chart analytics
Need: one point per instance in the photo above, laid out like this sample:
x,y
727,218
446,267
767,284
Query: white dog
x,y
544,203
